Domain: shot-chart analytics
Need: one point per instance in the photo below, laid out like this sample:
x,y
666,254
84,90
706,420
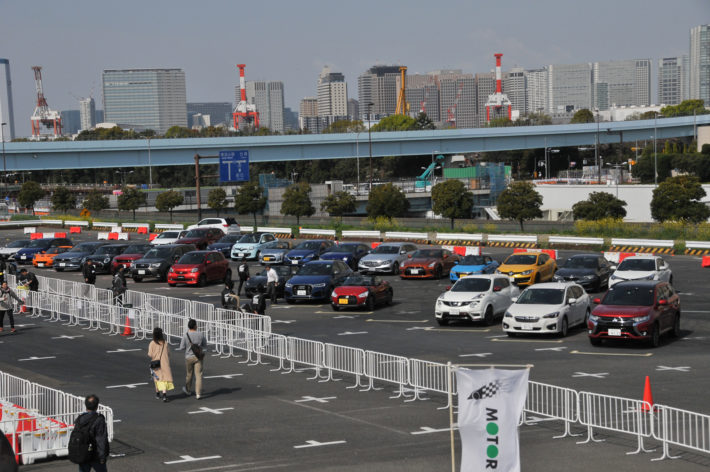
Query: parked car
x,y
249,245
547,308
350,253
157,261
168,237
361,291
201,237
315,280
227,225
198,268
12,247
225,243
642,268
429,263
46,259
591,271
103,257
38,246
528,268
307,251
131,254
386,258
472,264
476,298
637,310
72,259
275,252
257,281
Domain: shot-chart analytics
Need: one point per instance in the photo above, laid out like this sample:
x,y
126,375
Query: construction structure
x,y
498,100
402,105
10,113
245,113
451,112
43,115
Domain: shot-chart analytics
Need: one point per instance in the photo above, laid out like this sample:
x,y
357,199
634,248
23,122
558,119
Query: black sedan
x,y
251,287
591,271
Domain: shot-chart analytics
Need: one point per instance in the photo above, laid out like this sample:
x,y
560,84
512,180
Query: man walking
x,y
272,278
243,271
118,285
89,272
6,307
194,344
95,423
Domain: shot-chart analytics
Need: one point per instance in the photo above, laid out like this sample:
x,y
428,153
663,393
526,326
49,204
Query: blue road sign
x,y
233,166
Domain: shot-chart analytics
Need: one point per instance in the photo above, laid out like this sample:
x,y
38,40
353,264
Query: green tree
x,y
339,204
345,126
424,122
168,200
685,108
217,199
679,198
501,122
180,132
297,201
452,200
30,192
583,116
63,199
386,200
520,202
131,199
250,199
535,119
598,206
396,123
95,201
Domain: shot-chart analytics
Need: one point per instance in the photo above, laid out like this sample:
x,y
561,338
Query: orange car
x,y
45,259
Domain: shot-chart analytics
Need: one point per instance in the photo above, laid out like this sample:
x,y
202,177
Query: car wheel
x,y
395,268
202,281
137,279
227,276
58,269
256,258
676,326
537,278
438,272
595,341
172,285
564,329
511,334
390,296
670,280
488,316
335,307
442,321
370,303
655,339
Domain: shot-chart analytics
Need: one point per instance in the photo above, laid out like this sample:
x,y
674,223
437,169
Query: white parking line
x,y
348,333
191,459
481,354
131,386
679,369
429,430
123,350
312,443
599,375
315,399
647,354
68,337
33,358
215,411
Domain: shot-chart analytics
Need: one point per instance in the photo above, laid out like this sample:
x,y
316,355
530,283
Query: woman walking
x,y
6,307
160,364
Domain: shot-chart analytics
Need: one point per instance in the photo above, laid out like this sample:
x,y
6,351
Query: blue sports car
x,y
225,243
350,253
473,265
315,280
307,251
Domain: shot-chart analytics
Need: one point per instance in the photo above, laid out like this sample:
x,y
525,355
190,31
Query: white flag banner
x,y
490,404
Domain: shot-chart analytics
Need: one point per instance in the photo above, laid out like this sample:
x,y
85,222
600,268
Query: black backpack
x,y
81,442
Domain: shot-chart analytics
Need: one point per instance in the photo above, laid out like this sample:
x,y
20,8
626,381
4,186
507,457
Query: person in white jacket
x,y
6,306
272,279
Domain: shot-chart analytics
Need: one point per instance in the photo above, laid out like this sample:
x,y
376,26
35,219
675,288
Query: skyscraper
x,y
457,98
145,98
353,109
569,87
621,83
220,113
269,100
423,95
71,121
485,86
514,87
378,85
87,113
536,90
308,115
700,63
673,80
332,96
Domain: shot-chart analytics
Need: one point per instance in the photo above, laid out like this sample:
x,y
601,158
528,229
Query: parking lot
x,y
254,419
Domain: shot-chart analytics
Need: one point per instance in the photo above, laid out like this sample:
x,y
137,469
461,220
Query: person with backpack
x,y
88,442
243,271
6,306
258,301
194,344
89,272
160,364
230,301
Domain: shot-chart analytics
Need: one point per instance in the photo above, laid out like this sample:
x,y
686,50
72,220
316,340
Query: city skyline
x,y
467,42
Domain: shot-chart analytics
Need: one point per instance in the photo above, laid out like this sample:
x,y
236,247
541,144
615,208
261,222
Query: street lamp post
x,y
369,138
655,155
4,163
596,150
150,166
357,159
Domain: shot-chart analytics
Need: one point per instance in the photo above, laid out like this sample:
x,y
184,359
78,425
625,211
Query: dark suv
x,y
638,310
158,261
104,255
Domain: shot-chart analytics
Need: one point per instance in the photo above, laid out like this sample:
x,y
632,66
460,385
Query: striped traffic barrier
x,y
646,246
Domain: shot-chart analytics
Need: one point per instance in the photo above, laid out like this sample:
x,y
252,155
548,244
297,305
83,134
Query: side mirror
x,y
571,301
409,256
662,302
448,288
612,267
514,299
497,289
456,262
597,301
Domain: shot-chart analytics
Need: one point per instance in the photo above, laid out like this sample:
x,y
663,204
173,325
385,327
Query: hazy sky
x,y
290,41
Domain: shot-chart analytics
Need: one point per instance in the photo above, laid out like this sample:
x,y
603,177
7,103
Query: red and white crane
x,y
244,113
42,114
451,112
498,100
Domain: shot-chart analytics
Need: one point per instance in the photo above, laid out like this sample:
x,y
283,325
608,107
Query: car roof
x,y
558,285
483,276
205,251
642,256
319,261
637,283
584,255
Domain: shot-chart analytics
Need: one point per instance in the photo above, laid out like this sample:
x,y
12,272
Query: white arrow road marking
x,y
480,354
312,443
347,333
191,459
648,354
204,409
315,399
131,386
341,317
396,321
599,375
558,349
282,321
33,358
679,369
425,328
429,430
223,376
68,337
123,350
23,325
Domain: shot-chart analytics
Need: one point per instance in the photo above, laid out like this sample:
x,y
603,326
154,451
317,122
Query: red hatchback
x,y
130,255
358,291
201,237
198,268
637,310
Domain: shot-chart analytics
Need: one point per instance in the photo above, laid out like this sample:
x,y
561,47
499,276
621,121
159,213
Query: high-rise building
x,y
536,90
378,85
100,116
290,120
87,113
353,109
332,96
627,83
673,80
485,86
71,121
268,97
423,95
308,115
514,87
145,98
220,113
700,63
457,98
569,87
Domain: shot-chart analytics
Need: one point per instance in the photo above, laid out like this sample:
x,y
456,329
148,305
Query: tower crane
x,y
451,112
402,105
42,114
244,111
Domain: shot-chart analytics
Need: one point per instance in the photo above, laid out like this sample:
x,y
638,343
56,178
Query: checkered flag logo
x,y
487,391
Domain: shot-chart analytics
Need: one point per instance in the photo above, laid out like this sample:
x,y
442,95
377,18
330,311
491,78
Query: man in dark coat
x,y
98,433
89,272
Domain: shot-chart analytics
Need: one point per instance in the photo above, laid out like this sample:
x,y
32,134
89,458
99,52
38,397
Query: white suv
x,y
476,298
228,225
642,268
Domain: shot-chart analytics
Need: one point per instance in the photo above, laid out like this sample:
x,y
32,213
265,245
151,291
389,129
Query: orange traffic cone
x,y
127,331
647,396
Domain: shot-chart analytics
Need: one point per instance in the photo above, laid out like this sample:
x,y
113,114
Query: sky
x,y
288,41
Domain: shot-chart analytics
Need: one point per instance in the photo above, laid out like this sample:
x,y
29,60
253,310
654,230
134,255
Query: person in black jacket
x,y
243,271
258,301
118,285
7,455
230,301
89,272
29,279
98,432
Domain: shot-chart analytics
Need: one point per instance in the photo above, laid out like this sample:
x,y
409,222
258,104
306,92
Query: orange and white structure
x,y
43,115
498,100
244,113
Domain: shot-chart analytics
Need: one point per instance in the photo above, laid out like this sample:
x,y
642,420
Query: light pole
x,y
596,150
150,166
357,159
655,155
123,176
4,163
369,138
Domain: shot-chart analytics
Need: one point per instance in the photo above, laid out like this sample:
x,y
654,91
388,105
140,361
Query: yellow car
x,y
527,268
45,259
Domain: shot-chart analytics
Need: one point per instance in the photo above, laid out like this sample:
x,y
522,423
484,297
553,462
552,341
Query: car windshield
x,y
315,269
192,258
471,285
473,260
428,253
84,247
310,245
541,296
521,259
158,253
38,243
637,264
168,235
21,243
195,233
229,239
108,250
636,296
249,238
55,250
137,249
580,263
386,250
359,281
345,248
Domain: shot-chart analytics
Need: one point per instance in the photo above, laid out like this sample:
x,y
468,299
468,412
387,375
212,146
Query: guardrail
x,y
512,238
166,226
697,244
76,223
270,229
347,233
575,240
317,232
406,235
668,243
478,237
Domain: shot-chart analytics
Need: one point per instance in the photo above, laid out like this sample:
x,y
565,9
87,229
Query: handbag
x,y
196,349
156,364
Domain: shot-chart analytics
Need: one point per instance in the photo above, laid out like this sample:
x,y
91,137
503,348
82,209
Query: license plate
x,y
526,327
614,332
414,271
301,292
454,311
343,301
241,254
294,262
141,272
62,264
23,257
40,264
268,258
181,277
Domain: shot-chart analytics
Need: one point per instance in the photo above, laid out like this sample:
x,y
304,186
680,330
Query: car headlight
x,y
594,318
508,315
319,285
526,272
155,265
614,277
288,285
552,315
193,270
558,278
498,272
107,260
333,294
172,271
641,319
345,258
133,265
589,277
363,295
432,265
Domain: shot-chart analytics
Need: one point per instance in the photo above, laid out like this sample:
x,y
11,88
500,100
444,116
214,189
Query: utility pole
x,y
369,138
